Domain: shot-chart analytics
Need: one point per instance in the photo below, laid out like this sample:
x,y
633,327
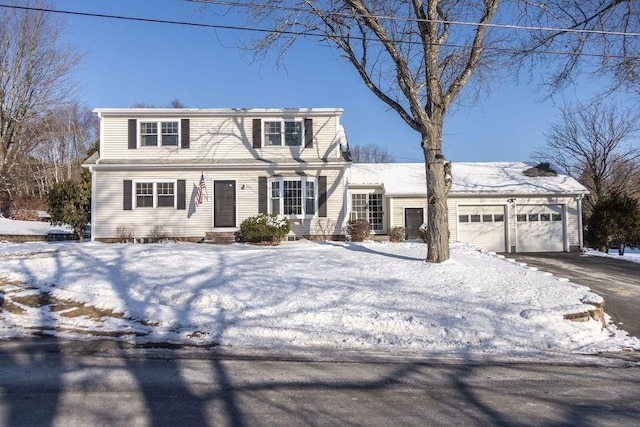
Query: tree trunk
x,y
438,185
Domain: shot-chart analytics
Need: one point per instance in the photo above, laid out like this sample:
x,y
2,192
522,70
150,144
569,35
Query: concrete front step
x,y
220,237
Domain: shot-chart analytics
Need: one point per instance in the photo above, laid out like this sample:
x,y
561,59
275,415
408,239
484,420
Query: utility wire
x,y
271,31
411,19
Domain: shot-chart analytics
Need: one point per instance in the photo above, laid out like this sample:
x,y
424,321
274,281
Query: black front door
x,y
224,203
413,219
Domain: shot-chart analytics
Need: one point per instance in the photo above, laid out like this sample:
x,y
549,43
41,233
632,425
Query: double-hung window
x,y
289,131
168,136
292,134
148,134
293,196
144,194
273,133
155,194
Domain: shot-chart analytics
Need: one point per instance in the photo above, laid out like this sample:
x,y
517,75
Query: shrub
x,y
125,234
265,228
69,204
325,228
157,234
396,234
26,208
358,229
423,232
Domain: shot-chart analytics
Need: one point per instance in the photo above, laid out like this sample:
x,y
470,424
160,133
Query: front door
x,y
224,203
413,219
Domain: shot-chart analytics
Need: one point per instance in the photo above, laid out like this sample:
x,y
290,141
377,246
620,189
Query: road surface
x,y
61,387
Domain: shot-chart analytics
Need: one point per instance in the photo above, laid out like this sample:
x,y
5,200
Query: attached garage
x,y
483,226
501,207
540,228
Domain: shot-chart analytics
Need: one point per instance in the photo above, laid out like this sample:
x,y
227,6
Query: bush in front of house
x,y
423,232
396,234
158,234
264,228
358,229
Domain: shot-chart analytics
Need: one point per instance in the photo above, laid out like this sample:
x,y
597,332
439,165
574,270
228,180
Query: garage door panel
x,y
483,226
540,228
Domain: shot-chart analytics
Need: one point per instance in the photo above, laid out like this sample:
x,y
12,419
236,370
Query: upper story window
x,y
292,133
148,134
169,134
275,132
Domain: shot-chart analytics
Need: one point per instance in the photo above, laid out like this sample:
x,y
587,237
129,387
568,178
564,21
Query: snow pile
x,y
341,296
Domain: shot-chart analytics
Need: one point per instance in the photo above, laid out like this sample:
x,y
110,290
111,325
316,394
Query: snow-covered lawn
x,y
22,228
339,296
630,254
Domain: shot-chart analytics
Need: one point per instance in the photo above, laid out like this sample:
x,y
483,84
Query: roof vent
x,y
542,169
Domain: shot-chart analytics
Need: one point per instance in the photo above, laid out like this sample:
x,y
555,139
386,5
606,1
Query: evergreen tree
x,y
615,222
69,204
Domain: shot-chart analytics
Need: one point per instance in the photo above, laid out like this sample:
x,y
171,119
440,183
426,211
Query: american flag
x,y
202,186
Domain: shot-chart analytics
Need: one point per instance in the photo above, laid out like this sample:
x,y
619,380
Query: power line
x,y
270,31
411,19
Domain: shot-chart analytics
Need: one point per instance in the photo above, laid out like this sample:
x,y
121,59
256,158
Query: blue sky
x,y
130,62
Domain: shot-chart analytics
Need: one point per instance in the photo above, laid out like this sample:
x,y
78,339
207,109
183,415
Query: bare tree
x,y
176,103
409,55
34,79
595,144
596,36
417,56
370,154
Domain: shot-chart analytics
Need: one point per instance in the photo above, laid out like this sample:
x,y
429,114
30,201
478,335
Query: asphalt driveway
x,y
617,281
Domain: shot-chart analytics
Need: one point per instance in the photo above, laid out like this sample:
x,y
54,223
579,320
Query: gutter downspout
x,y
580,229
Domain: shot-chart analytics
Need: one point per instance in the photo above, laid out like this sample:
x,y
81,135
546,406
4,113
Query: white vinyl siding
x,y
194,221
222,140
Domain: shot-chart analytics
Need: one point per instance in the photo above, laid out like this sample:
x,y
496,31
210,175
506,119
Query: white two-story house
x,y
146,175
148,171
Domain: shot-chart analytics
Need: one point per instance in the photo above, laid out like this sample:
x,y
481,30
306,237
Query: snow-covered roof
x,y
468,178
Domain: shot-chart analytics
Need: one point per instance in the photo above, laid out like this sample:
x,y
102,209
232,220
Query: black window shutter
x,y
133,133
322,196
181,203
127,198
257,133
184,133
262,194
308,133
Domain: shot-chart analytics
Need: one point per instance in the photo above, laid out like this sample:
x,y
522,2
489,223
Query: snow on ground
x,y
369,296
21,228
630,254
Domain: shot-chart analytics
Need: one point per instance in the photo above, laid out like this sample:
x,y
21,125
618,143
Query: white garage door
x,y
540,228
483,226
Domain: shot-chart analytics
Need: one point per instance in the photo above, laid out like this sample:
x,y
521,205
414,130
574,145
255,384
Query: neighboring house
x,y
503,207
147,174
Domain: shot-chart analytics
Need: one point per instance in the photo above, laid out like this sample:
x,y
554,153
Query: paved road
x,y
617,281
65,388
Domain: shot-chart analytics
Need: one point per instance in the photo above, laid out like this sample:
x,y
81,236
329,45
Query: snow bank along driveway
x,y
349,296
